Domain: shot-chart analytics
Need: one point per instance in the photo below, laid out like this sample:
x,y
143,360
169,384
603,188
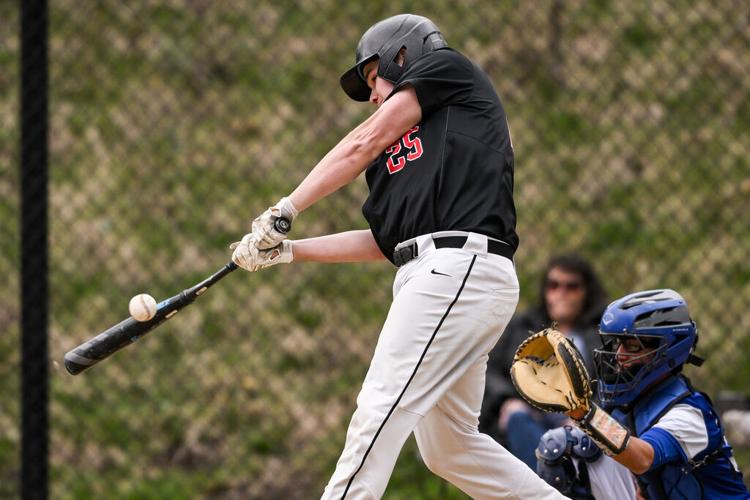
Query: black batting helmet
x,y
384,40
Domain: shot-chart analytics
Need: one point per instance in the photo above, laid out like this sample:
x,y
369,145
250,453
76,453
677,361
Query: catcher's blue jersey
x,y
692,459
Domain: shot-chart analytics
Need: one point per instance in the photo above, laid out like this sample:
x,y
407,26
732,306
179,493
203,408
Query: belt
x,y
409,252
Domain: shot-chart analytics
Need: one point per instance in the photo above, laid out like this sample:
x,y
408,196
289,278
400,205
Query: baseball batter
x,y
438,160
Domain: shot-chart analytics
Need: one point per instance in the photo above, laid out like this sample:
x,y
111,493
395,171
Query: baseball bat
x,y
129,330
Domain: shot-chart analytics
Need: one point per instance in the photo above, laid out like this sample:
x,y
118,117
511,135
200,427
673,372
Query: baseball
x,y
142,307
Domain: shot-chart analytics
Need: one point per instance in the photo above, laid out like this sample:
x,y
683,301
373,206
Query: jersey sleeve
x,y
440,78
666,448
679,435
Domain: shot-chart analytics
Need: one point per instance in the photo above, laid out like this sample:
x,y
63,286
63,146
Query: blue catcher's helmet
x,y
657,319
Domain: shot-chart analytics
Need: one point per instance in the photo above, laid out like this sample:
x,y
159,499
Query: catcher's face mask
x,y
623,366
634,352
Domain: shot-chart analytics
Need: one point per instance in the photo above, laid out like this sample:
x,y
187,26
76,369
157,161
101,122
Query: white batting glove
x,y
249,257
265,234
280,254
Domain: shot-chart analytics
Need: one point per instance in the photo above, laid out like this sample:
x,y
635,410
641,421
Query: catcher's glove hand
x,y
549,373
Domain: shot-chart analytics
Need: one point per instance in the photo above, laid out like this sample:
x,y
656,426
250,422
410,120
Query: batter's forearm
x,y
338,168
352,155
350,246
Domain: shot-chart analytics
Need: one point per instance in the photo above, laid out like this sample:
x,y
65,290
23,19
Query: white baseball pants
x,y
450,306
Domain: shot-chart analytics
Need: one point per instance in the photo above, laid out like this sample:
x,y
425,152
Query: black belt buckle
x,y
405,254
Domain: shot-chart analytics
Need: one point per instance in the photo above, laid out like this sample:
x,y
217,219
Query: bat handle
x,y
281,224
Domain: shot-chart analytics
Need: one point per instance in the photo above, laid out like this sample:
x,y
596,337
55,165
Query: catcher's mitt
x,y
549,373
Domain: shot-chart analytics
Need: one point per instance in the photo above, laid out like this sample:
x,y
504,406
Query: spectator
x,y
571,296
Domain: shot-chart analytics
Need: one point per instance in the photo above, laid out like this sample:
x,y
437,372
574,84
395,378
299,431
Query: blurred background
x,y
172,123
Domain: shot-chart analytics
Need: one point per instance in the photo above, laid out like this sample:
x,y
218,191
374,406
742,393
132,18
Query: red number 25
x,y
413,148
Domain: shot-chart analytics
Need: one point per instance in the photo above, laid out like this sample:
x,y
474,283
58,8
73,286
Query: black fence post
x,y
34,289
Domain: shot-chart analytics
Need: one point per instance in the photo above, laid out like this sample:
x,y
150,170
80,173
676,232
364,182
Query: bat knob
x,y
282,225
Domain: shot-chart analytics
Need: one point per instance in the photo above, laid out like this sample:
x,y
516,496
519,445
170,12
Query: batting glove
x,y
265,233
249,257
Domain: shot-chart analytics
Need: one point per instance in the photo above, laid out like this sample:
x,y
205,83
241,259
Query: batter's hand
x,y
265,234
249,257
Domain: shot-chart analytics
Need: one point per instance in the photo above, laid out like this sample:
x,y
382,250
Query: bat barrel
x,y
129,330
72,364
107,343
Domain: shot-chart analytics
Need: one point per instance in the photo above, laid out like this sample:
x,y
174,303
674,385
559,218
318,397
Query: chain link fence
x,y
172,123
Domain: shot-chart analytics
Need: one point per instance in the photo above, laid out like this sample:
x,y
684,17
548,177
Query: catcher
x,y
651,419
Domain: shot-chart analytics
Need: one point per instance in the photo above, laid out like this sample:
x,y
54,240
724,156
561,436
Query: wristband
x,y
605,430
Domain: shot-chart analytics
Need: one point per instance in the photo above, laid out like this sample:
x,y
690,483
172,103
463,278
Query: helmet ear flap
x,y
414,46
389,67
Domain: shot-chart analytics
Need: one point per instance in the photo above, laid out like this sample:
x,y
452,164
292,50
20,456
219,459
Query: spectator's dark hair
x,y
596,297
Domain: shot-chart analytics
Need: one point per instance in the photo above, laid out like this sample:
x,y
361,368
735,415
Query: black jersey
x,y
454,170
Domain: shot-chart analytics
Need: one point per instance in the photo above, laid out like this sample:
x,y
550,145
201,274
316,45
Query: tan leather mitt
x,y
548,371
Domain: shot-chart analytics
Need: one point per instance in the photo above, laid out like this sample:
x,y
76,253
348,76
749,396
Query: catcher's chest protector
x,y
700,477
